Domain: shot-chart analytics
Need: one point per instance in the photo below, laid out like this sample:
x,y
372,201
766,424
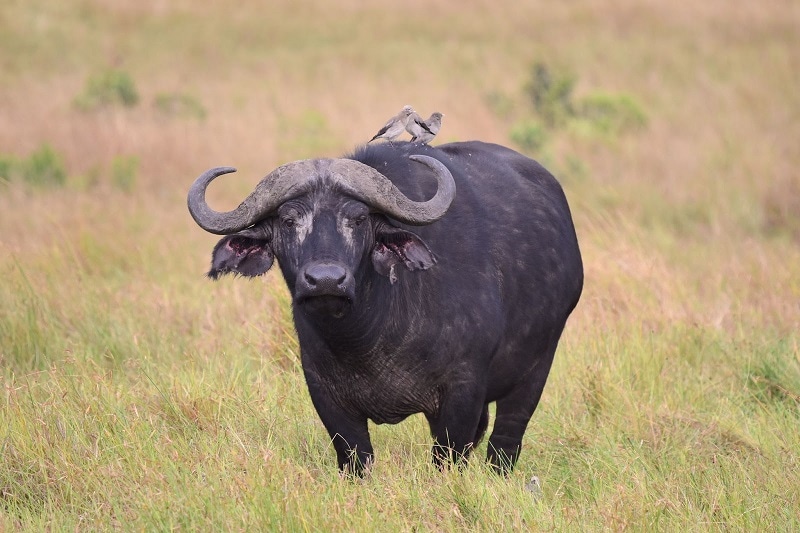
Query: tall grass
x,y
136,394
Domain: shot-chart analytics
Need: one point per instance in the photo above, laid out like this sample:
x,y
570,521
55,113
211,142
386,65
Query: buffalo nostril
x,y
325,274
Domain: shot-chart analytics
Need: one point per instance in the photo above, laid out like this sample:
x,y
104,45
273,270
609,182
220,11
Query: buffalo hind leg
x,y
514,411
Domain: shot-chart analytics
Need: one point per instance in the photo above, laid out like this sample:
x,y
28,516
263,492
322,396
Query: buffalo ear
x,y
396,246
247,253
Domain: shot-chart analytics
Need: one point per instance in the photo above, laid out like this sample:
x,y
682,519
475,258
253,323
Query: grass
x,y
137,395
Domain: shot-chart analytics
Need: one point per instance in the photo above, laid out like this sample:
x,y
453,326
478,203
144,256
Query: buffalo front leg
x,y
459,423
353,449
348,432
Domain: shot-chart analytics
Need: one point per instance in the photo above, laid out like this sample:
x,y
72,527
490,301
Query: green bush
x,y
179,105
550,94
612,113
44,167
529,136
111,87
551,97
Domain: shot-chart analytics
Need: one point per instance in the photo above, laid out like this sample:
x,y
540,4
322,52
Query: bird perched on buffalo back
x,y
416,127
395,125
426,134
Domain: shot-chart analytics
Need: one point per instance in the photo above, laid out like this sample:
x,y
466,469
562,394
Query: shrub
x,y
553,107
612,113
529,136
44,167
108,88
550,94
179,105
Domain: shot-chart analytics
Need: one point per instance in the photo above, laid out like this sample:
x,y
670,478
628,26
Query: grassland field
x,y
137,395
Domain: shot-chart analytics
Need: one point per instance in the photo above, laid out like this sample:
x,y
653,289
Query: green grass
x,y
135,394
640,429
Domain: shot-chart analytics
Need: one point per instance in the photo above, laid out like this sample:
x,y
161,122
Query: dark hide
x,y
440,319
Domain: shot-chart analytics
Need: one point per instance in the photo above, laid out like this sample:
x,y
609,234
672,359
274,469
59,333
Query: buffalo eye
x,y
288,222
360,219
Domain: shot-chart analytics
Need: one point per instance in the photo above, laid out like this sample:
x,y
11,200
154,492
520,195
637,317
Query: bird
x,y
534,486
425,134
417,127
395,126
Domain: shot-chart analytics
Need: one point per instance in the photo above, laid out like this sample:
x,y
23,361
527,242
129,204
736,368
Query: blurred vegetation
x,y
500,104
550,94
774,379
550,112
123,172
781,208
530,136
305,134
179,105
111,87
7,164
611,114
44,167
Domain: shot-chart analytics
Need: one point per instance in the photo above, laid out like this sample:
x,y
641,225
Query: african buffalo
x,y
413,295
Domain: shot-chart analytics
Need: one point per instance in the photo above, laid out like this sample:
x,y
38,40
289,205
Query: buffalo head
x,y
327,223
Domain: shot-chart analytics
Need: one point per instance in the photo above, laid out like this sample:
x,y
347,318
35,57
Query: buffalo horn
x,y
374,189
281,184
289,180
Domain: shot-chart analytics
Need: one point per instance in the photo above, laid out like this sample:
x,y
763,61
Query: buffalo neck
x,y
373,325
